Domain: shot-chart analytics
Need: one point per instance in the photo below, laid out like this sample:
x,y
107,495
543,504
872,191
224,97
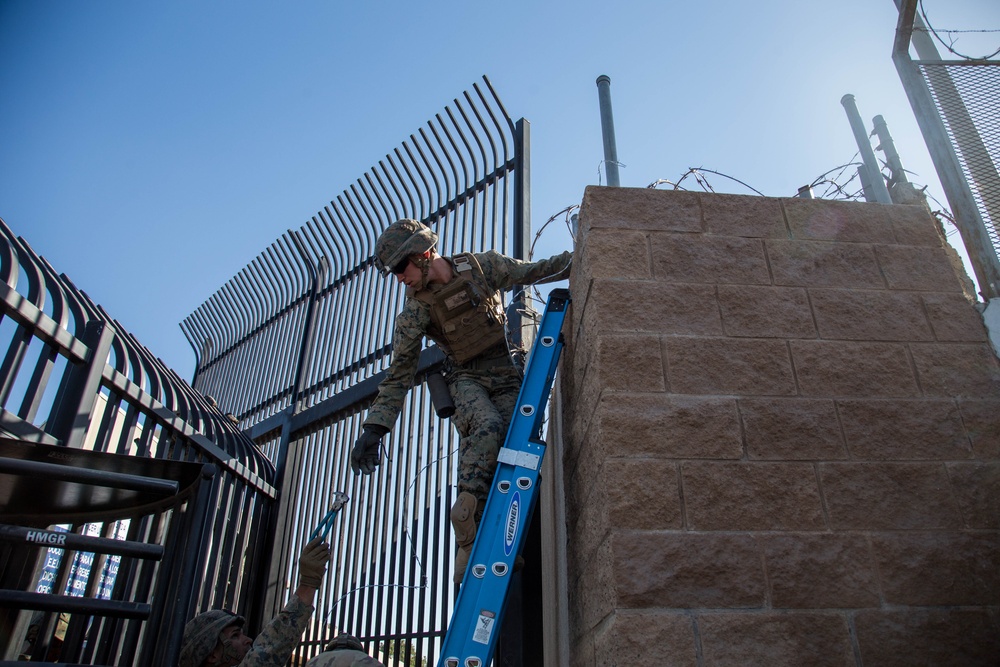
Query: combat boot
x,y
463,521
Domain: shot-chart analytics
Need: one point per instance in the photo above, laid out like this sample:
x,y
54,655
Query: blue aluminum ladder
x,y
475,624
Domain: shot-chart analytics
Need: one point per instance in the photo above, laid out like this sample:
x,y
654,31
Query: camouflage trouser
x,y
484,403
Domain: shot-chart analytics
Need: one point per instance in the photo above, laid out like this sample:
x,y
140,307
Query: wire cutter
x,y
326,523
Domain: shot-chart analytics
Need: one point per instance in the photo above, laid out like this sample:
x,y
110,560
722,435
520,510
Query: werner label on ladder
x,y
474,629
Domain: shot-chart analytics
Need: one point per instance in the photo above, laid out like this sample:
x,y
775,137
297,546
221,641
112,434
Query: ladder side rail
x,y
474,629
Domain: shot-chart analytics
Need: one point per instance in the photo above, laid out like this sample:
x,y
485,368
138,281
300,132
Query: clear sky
x,y
150,150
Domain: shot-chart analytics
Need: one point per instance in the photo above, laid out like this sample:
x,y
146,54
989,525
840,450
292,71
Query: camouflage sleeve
x,y
407,339
274,645
504,272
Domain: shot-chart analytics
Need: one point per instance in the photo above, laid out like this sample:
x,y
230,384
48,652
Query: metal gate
x,y
111,470
295,344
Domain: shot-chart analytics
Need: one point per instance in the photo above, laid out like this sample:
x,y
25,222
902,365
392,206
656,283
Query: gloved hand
x,y
312,563
367,452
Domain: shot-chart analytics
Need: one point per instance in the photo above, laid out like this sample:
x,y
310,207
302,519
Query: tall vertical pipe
x,y
878,189
608,130
886,145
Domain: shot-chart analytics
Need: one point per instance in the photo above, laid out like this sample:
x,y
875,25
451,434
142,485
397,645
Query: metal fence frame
x,y
963,137
72,378
296,343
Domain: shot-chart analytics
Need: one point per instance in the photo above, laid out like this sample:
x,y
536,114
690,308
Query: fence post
x,y
77,394
875,189
608,131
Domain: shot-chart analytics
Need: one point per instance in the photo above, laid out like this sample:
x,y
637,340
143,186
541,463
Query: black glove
x,y
367,452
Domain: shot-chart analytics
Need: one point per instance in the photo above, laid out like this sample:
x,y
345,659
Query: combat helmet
x,y
344,641
201,634
400,240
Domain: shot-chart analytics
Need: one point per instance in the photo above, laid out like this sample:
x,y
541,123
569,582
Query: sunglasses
x,y
400,266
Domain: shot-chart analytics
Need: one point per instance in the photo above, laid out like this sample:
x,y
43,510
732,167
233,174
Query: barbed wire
x,y
699,177
951,47
602,163
837,185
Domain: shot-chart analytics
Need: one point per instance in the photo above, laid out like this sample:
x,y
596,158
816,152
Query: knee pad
x,y
463,518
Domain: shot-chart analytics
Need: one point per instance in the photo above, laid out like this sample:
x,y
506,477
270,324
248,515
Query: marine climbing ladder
x,y
475,624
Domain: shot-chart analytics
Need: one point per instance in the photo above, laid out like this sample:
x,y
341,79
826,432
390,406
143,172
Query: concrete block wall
x,y
781,437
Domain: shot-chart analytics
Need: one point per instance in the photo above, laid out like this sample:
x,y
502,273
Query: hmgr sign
x,y
45,537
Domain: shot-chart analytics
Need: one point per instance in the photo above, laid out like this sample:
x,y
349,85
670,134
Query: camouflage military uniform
x,y
344,658
484,389
275,643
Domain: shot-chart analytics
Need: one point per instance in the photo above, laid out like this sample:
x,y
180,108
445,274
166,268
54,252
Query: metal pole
x,y
886,145
805,192
876,182
900,188
608,130
866,183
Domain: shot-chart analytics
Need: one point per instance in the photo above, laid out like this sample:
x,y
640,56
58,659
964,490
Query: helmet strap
x,y
422,262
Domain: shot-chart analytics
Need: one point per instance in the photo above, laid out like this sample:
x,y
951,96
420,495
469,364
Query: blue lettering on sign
x,y
513,512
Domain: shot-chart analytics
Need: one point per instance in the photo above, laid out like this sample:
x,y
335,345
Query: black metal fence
x,y
295,344
127,499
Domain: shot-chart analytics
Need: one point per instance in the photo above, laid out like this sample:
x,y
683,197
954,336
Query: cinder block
x,y
936,569
744,215
914,225
792,429
945,637
953,319
888,496
965,370
917,268
613,253
843,314
687,570
618,363
655,307
740,366
658,638
582,653
669,426
765,312
977,490
982,426
755,496
741,640
820,571
589,526
629,362
632,494
825,220
594,595
898,430
640,209
696,258
843,369
642,494
822,264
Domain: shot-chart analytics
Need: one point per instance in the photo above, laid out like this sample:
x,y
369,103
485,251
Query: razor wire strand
x,y
409,539
951,46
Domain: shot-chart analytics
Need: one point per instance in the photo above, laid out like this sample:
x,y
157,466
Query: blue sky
x,y
151,150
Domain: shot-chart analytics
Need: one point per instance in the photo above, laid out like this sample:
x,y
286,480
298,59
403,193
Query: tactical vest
x,y
467,316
